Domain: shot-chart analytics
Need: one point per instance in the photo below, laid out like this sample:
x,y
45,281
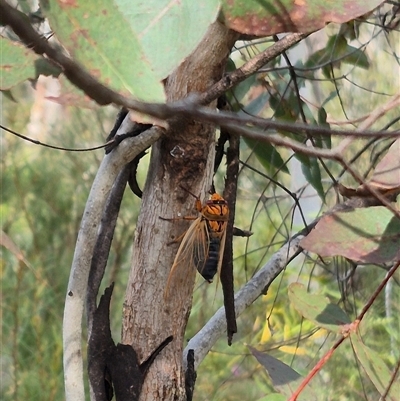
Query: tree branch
x,y
251,67
188,107
204,340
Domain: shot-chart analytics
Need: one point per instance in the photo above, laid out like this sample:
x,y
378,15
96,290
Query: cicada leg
x,y
178,239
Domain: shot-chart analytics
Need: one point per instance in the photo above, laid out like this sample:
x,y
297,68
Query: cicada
x,y
202,246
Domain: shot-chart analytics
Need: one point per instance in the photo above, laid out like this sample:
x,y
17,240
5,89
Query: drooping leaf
x,y
257,105
322,116
386,176
375,368
243,87
285,108
267,154
268,17
130,45
312,173
336,52
365,235
317,308
44,67
284,379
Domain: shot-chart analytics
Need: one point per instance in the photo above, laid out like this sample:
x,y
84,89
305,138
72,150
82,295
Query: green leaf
x,y
264,151
274,397
243,87
317,308
284,109
130,45
303,159
364,235
375,367
97,35
268,17
44,67
17,63
312,173
267,155
168,30
355,57
284,379
256,105
337,51
25,6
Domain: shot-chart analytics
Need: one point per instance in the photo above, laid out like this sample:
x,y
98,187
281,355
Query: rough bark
x,y
183,157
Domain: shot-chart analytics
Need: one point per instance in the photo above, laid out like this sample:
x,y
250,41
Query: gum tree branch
x,y
204,340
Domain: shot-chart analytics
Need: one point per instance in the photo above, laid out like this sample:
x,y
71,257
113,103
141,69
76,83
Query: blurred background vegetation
x,y
43,193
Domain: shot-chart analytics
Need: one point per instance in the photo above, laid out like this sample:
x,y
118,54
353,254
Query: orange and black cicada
x,y
203,243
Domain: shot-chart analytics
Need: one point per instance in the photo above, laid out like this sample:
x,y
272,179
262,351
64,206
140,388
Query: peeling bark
x,y
183,157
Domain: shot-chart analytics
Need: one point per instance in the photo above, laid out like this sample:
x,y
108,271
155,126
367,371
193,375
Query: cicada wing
x,y
191,252
201,247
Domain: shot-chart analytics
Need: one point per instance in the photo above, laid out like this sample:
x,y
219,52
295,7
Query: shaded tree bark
x,y
183,157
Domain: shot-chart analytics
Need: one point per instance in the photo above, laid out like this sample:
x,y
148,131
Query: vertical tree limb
x,y
232,170
77,285
184,157
103,243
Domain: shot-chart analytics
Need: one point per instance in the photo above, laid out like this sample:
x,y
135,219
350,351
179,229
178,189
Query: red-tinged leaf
x,y
318,309
284,379
367,235
375,368
70,95
269,17
387,173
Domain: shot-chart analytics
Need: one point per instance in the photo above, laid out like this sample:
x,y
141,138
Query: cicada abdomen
x,y
209,267
203,244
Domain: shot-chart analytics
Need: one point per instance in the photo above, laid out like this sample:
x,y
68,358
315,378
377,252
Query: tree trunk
x,y
183,157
